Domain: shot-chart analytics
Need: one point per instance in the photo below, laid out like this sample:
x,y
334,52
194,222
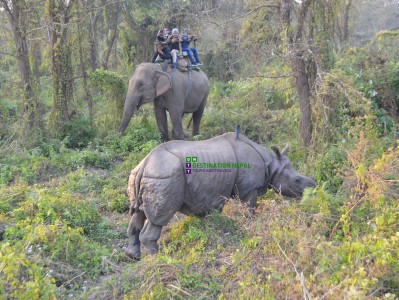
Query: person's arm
x,y
180,48
159,36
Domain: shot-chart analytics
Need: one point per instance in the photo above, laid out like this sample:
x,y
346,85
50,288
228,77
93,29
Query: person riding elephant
x,y
174,41
192,52
162,49
175,92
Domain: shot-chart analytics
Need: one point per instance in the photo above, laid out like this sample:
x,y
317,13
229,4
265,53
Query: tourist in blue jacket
x,y
192,53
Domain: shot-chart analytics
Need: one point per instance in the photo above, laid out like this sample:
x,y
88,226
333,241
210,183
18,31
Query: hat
x,y
175,30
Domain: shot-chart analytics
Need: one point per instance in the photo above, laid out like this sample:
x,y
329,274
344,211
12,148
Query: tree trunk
x,y
303,90
59,16
346,21
17,18
114,34
82,62
295,51
93,41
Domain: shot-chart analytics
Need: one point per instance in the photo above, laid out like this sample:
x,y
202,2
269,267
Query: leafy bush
x,y
109,103
79,133
47,240
330,168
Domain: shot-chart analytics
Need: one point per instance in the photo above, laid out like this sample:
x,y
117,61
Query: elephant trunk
x,y
130,107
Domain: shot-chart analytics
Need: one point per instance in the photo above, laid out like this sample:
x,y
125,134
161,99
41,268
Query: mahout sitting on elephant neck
x,y
197,177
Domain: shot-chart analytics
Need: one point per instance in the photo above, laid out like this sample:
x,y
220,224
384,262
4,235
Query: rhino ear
x,y
163,83
277,152
285,150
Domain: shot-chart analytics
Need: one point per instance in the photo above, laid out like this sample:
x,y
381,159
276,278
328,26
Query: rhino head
x,y
286,180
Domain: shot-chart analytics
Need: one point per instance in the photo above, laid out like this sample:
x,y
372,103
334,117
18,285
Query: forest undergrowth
x,y
64,207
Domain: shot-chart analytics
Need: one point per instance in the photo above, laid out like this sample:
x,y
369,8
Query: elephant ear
x,y
163,83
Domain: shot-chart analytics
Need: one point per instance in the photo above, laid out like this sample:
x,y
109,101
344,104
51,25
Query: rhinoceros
x,y
196,177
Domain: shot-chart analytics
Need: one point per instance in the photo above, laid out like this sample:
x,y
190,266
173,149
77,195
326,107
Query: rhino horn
x,y
285,150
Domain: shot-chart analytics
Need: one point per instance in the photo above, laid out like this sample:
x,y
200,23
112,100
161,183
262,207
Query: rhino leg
x,y
149,236
252,199
133,232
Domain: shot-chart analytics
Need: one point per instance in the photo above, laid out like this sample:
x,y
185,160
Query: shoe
x,y
193,65
199,63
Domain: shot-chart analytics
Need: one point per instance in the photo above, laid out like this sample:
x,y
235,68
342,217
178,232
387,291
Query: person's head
x,y
175,31
166,31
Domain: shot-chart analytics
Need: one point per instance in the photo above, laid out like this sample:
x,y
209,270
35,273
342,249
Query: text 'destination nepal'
x,y
193,166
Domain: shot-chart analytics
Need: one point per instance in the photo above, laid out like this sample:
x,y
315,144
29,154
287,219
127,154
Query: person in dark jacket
x,y
162,50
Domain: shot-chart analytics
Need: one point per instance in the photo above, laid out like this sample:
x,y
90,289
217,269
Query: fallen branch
x,y
300,275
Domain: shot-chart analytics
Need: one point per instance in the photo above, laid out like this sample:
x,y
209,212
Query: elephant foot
x,y
164,138
152,250
133,253
151,247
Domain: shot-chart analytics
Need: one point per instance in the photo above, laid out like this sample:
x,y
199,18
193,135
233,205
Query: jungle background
x,y
320,75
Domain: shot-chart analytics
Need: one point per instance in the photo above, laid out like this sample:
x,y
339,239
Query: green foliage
x,y
330,168
142,133
317,201
79,133
128,45
63,208
109,103
250,103
46,229
36,283
218,64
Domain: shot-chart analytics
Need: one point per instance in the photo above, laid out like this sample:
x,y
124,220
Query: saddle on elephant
x,y
183,65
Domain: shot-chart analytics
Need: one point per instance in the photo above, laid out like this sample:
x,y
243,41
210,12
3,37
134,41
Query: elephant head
x,y
147,83
286,180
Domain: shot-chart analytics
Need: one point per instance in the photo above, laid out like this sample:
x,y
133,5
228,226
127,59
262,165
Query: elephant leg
x,y
133,232
176,118
149,236
197,115
162,121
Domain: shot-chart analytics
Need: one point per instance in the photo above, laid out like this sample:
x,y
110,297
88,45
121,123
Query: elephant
x,y
176,92
196,177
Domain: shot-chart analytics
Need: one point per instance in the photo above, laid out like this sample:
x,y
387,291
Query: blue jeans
x,y
192,54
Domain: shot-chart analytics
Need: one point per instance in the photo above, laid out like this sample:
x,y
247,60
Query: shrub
x,y
50,237
79,133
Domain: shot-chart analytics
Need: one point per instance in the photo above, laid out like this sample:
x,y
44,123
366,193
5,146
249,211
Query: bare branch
x,y
248,13
301,277
6,7
35,29
9,54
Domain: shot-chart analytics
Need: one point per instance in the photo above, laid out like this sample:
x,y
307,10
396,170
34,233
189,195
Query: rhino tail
x,y
137,181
